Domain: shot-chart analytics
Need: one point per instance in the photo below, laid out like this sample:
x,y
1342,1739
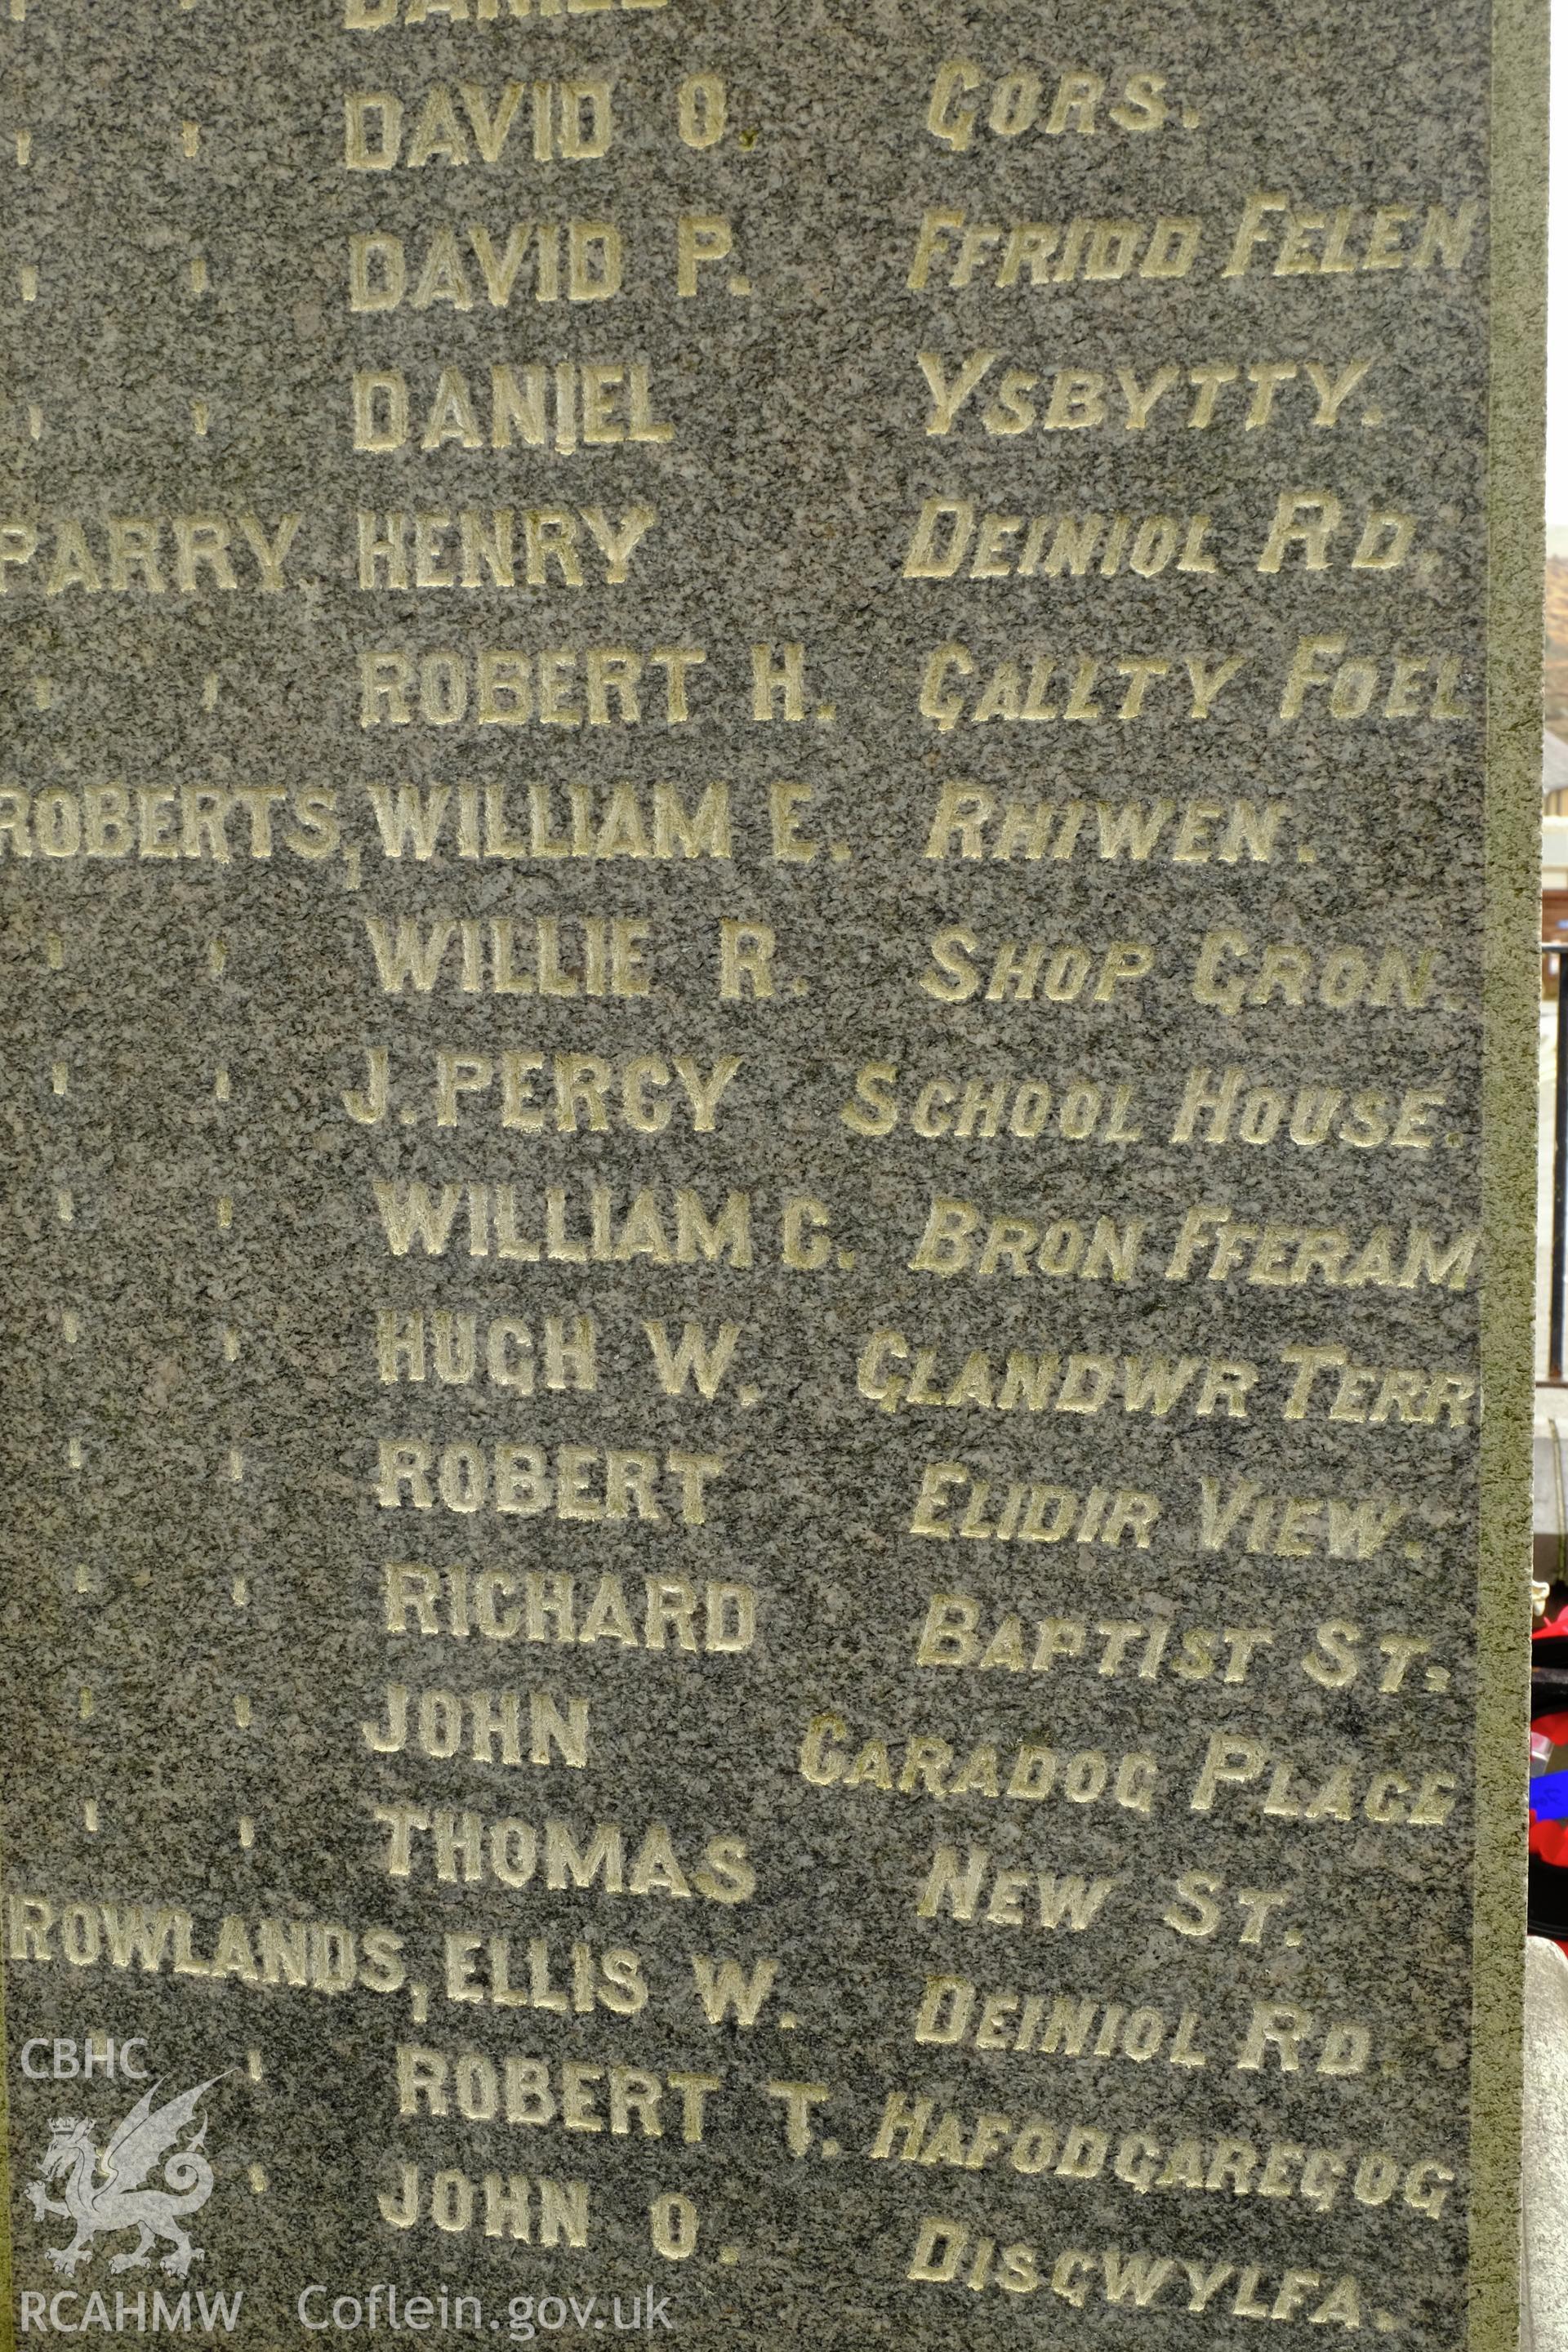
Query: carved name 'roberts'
x,y
158,824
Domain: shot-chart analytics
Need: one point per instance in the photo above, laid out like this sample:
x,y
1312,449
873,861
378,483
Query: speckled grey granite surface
x,y
1002,1073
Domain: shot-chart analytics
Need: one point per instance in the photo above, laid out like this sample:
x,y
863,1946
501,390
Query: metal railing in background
x,y
1559,947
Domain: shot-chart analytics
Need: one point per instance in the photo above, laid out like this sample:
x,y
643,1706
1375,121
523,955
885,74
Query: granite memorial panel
x,y
765,848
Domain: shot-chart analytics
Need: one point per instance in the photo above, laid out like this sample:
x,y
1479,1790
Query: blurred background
x,y
1551,1397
